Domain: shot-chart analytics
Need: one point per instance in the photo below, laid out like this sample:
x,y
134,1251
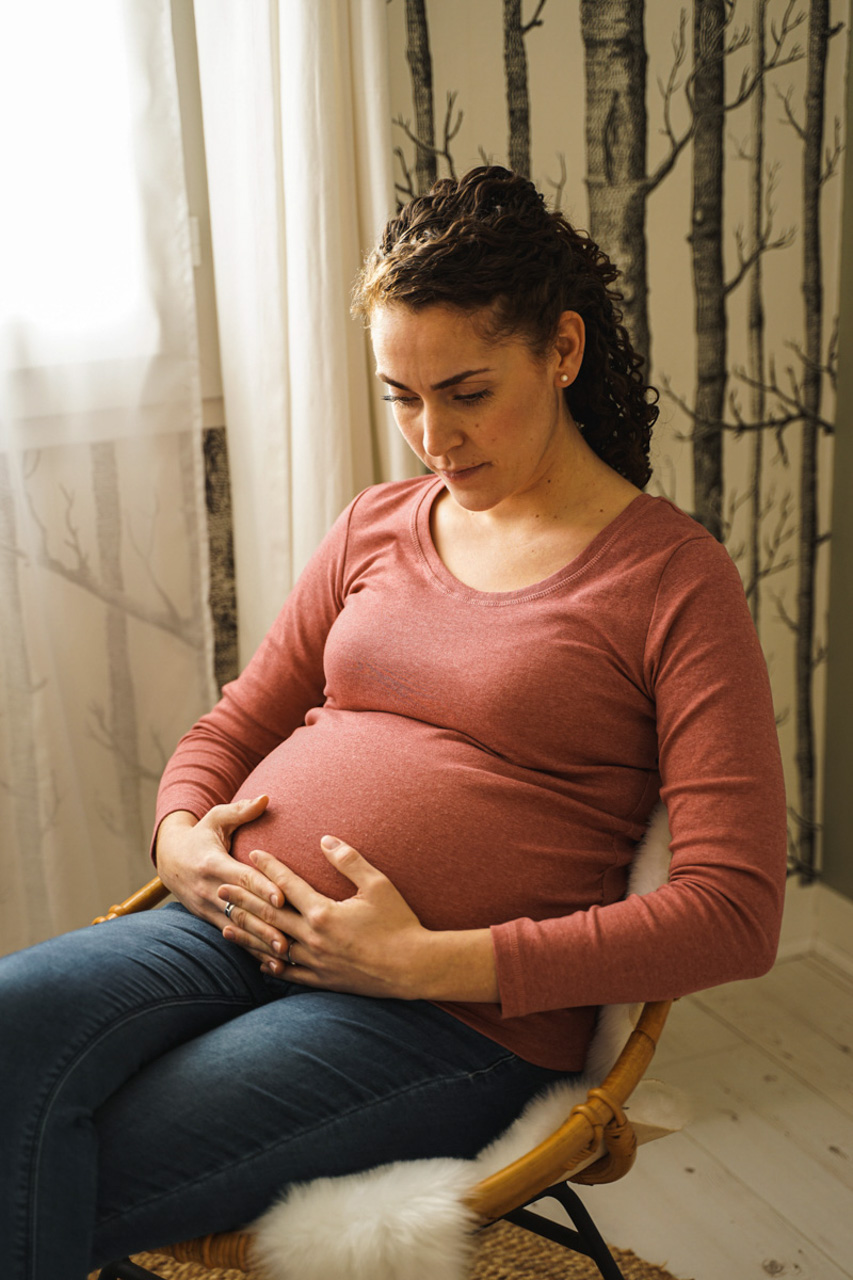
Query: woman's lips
x,y
458,475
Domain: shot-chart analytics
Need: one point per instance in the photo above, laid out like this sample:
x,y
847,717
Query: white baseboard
x,y
818,921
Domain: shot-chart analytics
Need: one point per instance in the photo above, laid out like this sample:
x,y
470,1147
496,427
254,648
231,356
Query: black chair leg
x,y
586,1239
124,1269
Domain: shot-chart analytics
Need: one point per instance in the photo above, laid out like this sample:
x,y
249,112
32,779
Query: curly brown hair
x,y
487,243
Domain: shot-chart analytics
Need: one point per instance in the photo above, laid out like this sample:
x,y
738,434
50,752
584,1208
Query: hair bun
x,y
491,190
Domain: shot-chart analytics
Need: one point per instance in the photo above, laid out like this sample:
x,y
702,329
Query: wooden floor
x,y
761,1182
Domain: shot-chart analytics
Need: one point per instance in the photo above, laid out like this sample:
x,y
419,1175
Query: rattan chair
x,y
599,1123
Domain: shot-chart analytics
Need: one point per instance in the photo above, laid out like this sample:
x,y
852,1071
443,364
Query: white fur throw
x,y
407,1221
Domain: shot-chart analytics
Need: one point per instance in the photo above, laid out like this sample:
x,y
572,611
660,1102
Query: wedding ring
x,y
229,907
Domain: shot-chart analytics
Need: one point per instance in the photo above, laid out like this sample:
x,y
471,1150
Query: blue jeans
x,y
156,1086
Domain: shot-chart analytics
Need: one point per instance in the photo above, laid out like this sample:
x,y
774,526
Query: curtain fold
x,y
106,639
297,138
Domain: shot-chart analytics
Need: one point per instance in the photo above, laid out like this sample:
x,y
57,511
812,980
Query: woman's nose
x,y
440,434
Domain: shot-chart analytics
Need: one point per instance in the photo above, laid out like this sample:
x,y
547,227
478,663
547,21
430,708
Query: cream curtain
x,y
105,631
106,645
297,139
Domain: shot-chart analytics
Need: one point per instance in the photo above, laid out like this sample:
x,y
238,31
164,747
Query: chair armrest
x,y
581,1134
145,898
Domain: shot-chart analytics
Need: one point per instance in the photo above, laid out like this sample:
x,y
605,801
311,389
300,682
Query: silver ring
x,y
287,959
229,907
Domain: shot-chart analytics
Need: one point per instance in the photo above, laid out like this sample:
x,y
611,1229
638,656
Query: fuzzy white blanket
x,y
408,1221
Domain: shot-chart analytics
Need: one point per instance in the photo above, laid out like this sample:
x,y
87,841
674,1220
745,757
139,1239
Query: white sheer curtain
x,y
297,138
106,642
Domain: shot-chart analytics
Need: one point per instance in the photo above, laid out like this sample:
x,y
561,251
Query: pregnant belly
x,y
468,839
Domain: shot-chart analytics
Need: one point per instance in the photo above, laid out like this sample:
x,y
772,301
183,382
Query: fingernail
x,y
330,843
276,946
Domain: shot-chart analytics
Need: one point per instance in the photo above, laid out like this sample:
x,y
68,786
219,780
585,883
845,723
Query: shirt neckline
x,y
451,585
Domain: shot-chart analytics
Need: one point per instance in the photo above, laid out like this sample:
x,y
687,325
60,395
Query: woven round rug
x,y
506,1252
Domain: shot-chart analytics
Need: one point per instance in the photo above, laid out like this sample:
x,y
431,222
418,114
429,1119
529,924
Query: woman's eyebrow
x,y
438,386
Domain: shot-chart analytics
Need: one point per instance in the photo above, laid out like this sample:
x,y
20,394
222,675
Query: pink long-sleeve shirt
x,y
497,755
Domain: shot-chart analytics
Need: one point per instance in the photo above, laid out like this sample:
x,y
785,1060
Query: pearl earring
x,y
564,377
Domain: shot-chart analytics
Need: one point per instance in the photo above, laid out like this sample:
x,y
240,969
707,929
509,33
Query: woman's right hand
x,y
194,862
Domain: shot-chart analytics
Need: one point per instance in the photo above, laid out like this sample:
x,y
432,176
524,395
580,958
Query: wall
x,y
838,808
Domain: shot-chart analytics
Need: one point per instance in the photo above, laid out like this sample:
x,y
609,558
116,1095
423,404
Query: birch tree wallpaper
x,y
701,147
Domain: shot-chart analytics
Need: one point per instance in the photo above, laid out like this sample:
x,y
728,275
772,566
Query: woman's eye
x,y
463,398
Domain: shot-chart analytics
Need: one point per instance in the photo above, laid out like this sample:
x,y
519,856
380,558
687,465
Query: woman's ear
x,y
568,347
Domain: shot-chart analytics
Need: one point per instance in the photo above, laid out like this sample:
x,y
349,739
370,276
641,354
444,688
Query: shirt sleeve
x,y
271,697
718,918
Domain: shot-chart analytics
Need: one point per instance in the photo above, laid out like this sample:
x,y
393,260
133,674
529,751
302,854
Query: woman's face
x,y
488,417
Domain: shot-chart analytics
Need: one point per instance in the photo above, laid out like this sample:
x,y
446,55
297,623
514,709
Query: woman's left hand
x,y
369,944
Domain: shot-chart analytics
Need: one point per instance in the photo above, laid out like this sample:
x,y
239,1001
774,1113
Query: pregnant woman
x,y
399,844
